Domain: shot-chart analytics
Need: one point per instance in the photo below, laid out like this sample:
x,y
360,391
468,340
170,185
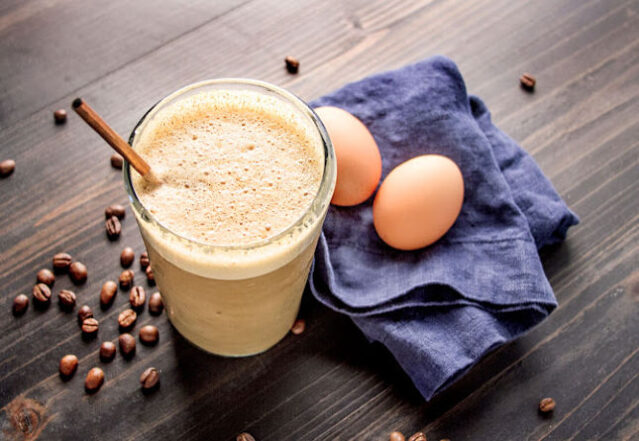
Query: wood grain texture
x,y
329,383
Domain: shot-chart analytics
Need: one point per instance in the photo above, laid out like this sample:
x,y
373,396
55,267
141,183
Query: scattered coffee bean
x,y
149,335
41,293
78,273
46,276
419,436
144,260
60,116
90,327
298,327
527,82
20,304
397,436
126,279
84,313
150,379
150,277
107,293
127,318
547,405
244,437
117,161
61,262
116,210
66,299
68,365
156,305
107,351
94,380
292,64
137,297
127,256
113,227
127,345
7,167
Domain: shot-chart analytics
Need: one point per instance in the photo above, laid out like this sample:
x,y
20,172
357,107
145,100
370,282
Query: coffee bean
x,y
68,365
156,305
107,293
116,210
419,436
113,227
149,335
46,276
126,279
90,327
66,299
527,82
150,379
20,304
7,167
127,318
397,436
117,161
292,64
547,405
127,345
94,380
61,262
84,313
137,297
78,273
298,327
150,277
244,436
144,260
60,116
107,351
41,293
127,256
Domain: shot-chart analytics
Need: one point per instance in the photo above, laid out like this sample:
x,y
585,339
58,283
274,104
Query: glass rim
x,y
328,174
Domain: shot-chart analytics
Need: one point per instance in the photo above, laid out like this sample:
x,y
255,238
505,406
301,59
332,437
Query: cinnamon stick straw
x,y
111,137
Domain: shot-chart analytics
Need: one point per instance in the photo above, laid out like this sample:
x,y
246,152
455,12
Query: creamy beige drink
x,y
246,173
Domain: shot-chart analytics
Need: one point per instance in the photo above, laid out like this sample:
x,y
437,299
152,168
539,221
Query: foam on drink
x,y
236,167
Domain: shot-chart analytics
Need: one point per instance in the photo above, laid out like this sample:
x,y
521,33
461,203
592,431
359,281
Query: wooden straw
x,y
111,137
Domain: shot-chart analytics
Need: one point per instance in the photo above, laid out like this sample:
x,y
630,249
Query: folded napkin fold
x,y
440,309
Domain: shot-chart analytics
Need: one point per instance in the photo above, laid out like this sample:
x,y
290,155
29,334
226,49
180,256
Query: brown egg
x,y
418,202
359,164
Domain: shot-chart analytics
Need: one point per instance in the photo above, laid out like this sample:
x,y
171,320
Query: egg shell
x,y
359,163
418,202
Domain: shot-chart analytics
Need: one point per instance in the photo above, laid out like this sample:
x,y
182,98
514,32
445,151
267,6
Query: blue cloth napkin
x,y
440,309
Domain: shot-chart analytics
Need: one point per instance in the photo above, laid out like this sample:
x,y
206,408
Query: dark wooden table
x,y
581,125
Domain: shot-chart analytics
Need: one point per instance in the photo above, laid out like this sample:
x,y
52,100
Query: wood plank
x,y
49,48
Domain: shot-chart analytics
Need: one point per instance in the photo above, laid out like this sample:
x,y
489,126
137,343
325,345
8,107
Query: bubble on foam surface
x,y
231,163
